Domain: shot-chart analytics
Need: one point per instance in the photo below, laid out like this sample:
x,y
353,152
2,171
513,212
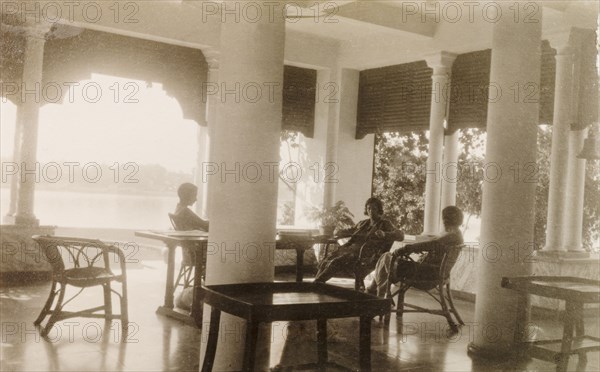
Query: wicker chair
x,y
82,263
437,287
363,265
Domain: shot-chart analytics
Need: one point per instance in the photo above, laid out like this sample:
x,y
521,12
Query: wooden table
x,y
173,239
575,292
295,240
288,301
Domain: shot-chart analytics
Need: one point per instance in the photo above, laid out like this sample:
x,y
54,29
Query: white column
x,y
14,180
202,159
333,130
573,217
508,204
243,208
212,107
449,171
204,132
28,120
354,170
312,152
442,68
560,147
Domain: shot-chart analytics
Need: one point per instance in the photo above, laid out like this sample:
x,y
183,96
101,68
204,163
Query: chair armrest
x,y
81,252
107,250
327,244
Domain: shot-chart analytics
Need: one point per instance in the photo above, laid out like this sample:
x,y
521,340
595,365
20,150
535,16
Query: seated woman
x,y
374,235
428,265
185,218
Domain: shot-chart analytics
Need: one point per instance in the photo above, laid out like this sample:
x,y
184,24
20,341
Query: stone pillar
x,y
28,121
202,159
560,146
442,68
310,189
449,172
243,208
212,104
508,204
354,171
333,130
573,215
14,180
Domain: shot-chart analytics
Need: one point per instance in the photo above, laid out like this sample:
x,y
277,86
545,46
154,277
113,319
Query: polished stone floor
x,y
156,343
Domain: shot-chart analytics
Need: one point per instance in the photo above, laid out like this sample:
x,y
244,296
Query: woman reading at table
x,y
373,236
184,217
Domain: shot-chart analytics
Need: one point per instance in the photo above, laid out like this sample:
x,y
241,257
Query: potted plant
x,y
331,218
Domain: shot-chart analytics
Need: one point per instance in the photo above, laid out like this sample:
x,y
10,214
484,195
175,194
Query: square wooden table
x,y
575,292
289,301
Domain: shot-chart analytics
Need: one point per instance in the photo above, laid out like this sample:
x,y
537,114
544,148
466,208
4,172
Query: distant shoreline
x,y
103,191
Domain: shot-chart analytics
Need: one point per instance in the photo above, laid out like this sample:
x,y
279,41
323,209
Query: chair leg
x,y
452,307
400,306
46,308
359,283
124,312
445,309
57,309
107,301
180,276
189,281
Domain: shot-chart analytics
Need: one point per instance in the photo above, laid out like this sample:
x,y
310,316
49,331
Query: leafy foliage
x,y
337,215
399,180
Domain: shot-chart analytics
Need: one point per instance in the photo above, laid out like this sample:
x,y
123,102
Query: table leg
x,y
567,340
170,277
213,337
521,331
365,344
250,349
580,332
196,311
322,344
299,264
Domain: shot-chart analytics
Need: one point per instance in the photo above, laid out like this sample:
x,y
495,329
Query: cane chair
x,y
82,263
363,266
438,287
185,277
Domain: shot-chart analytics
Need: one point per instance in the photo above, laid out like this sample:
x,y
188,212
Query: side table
x,y
575,292
288,301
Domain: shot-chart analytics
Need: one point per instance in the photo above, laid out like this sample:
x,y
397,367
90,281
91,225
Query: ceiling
x,y
321,34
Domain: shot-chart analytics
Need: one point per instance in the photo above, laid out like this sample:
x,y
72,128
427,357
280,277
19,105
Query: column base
x,y
8,219
514,353
30,221
560,255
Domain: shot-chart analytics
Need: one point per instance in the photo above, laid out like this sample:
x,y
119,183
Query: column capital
x,y
30,28
440,62
565,41
212,58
